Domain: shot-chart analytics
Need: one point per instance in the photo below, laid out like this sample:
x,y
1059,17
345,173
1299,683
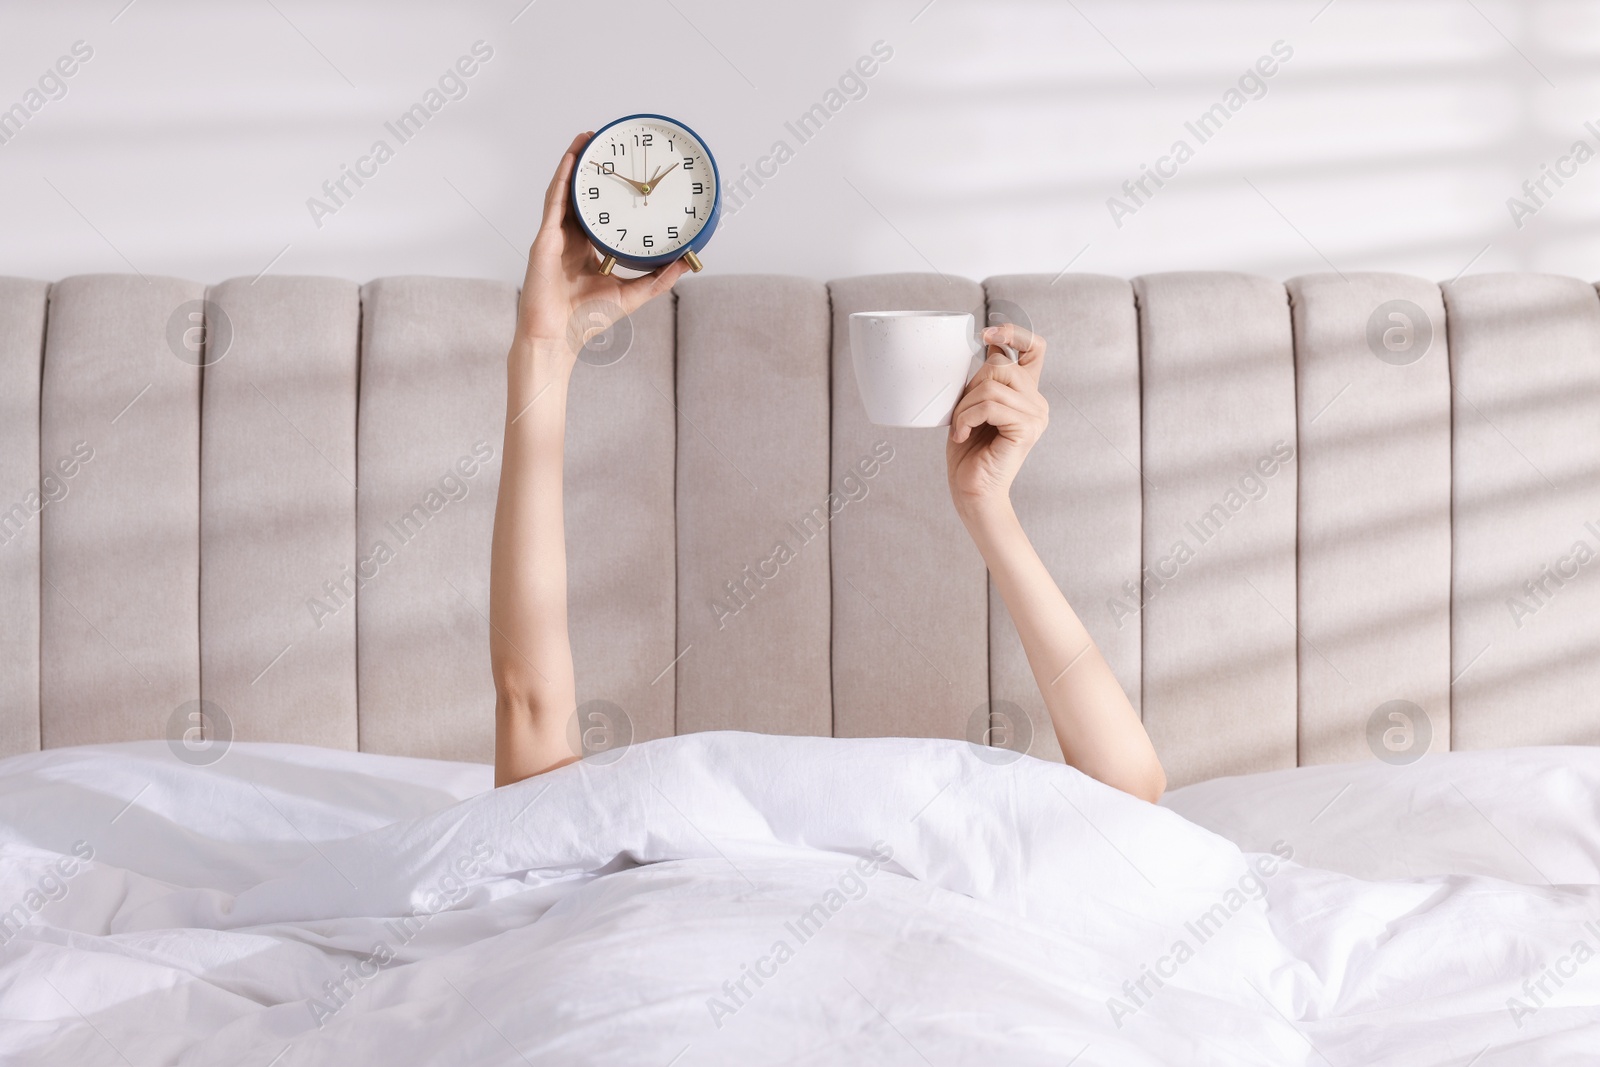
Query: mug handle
x,y
1010,351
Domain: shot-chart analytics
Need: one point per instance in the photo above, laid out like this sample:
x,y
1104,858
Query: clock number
x,y
699,187
605,216
649,139
672,233
672,146
608,167
649,240
691,211
688,163
617,149
621,233
594,192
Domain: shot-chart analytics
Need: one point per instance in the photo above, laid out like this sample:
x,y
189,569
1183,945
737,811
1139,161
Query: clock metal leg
x,y
693,261
607,263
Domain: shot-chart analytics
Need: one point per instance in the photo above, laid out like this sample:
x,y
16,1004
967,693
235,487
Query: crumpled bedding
x,y
730,898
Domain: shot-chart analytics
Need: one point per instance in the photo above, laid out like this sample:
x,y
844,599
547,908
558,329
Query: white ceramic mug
x,y
911,365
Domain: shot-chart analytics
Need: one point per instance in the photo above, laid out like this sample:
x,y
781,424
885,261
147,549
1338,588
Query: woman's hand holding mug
x,y
999,417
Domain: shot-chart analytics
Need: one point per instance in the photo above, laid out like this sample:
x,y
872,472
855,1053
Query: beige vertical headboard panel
x,y
1079,493
22,313
910,593
432,409
1525,363
754,598
621,532
120,553
1373,378
278,509
1219,609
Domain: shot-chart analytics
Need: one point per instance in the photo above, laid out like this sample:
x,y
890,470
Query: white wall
x,y
990,142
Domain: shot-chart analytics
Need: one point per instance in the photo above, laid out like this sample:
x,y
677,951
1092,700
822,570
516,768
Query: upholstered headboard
x,y
1277,507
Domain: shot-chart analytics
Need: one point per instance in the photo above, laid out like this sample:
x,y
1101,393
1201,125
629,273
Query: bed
x,y
245,815
739,898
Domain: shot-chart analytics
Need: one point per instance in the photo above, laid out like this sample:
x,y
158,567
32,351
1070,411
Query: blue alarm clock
x,y
646,192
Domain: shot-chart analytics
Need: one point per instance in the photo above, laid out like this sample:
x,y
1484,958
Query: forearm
x,y
1099,731
528,643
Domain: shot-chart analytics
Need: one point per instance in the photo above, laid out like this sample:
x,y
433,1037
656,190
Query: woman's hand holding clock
x,y
565,299
564,275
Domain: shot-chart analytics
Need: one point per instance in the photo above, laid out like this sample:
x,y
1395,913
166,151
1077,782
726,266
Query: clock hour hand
x,y
656,179
640,187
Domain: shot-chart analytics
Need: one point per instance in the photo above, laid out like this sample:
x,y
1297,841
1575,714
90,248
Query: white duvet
x,y
739,899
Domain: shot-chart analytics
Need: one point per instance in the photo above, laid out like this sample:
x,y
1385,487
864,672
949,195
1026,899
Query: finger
x,y
555,197
1029,345
570,223
981,389
575,243
997,413
639,291
1030,406
1008,373
991,398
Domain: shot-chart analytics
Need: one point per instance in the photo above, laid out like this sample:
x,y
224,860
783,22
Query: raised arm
x,y
995,424
535,692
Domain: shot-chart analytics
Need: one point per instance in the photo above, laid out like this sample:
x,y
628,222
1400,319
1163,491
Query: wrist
x,y
986,515
536,336
539,357
537,368
543,318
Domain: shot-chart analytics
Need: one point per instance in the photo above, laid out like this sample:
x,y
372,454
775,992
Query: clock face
x,y
644,187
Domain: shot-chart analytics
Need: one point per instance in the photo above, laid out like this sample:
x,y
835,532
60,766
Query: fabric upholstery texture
x,y
1219,591
278,509
621,538
1525,366
119,648
430,421
910,594
754,601
22,498
1273,516
1374,471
